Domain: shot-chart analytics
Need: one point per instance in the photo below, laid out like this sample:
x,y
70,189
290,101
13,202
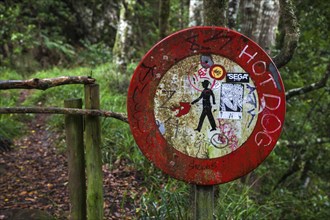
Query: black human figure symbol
x,y
207,106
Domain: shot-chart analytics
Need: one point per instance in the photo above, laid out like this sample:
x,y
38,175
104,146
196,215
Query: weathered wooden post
x,y
93,155
76,161
203,202
207,112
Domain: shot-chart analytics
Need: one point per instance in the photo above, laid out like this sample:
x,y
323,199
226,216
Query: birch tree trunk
x,y
250,13
260,20
195,13
122,45
270,19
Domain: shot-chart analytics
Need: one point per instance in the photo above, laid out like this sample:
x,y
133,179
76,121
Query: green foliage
x,y
55,96
117,139
145,18
94,54
179,15
58,45
293,183
170,201
236,201
306,134
24,38
9,123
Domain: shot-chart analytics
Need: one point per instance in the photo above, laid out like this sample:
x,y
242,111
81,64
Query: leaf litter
x,y
34,175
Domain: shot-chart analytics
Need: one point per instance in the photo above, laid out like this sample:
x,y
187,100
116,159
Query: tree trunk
x,y
233,7
270,18
184,6
215,12
289,29
195,13
250,14
164,13
122,46
260,20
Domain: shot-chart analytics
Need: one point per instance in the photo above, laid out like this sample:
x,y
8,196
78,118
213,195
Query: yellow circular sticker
x,y
217,72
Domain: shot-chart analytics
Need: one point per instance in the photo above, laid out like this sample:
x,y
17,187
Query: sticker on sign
x,y
210,112
237,77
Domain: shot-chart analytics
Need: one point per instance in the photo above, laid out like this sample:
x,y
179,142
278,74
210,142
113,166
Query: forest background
x,y
106,40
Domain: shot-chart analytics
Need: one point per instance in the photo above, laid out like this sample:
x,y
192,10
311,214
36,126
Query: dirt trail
x,y
34,175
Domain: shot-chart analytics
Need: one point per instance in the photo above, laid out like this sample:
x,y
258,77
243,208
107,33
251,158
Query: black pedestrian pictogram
x,y
207,106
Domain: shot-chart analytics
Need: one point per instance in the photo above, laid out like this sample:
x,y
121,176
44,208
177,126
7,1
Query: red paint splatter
x,y
184,109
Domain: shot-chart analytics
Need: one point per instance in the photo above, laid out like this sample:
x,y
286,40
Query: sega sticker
x,y
237,77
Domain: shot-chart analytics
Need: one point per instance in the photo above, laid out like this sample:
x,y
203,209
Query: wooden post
x,y
93,155
204,202
76,161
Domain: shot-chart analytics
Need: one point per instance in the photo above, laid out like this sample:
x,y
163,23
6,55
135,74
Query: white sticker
x,y
231,101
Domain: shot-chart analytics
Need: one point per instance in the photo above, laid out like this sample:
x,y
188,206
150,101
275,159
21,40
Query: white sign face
x,y
206,106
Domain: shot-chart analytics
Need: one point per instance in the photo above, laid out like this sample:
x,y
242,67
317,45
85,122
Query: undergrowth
x,y
9,123
165,197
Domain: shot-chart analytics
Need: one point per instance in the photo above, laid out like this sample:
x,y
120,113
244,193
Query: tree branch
x,y
290,31
57,110
44,84
314,86
298,158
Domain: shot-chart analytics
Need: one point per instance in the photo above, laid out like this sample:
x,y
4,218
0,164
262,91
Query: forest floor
x,y
34,175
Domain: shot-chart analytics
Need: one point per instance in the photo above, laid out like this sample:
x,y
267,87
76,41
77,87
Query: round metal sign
x,y
206,105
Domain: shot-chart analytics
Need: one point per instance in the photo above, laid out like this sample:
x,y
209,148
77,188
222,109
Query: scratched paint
x,y
176,92
185,118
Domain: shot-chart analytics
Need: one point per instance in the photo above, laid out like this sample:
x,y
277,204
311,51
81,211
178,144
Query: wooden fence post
x,y
93,155
76,161
204,202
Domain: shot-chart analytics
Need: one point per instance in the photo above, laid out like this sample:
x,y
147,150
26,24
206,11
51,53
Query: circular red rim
x,y
206,40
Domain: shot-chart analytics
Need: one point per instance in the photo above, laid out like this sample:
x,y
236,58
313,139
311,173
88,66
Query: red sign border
x,y
206,40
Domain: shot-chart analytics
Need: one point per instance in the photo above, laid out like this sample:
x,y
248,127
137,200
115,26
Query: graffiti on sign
x,y
209,111
201,105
